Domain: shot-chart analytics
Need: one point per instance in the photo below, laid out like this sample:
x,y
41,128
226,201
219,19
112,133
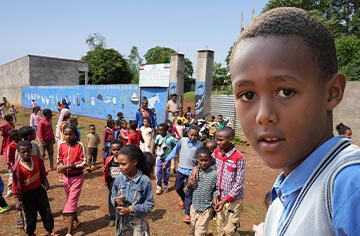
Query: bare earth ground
x,y
165,219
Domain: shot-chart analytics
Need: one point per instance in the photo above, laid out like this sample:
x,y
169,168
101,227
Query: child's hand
x,y
195,173
164,165
219,205
123,210
192,183
60,168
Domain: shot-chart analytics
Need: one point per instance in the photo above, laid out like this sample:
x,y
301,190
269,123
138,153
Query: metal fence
x,y
224,105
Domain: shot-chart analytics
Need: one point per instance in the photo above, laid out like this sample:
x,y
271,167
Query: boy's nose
x,y
266,113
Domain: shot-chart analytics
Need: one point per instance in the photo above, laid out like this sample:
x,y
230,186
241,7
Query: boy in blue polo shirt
x,y
286,84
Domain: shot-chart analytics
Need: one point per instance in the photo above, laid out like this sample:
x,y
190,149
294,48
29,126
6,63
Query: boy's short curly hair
x,y
291,21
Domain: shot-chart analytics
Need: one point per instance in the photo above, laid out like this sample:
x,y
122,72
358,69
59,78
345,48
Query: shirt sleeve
x,y
40,131
346,198
175,151
239,183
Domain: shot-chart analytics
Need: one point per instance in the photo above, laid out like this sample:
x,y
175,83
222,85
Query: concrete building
x,y
34,70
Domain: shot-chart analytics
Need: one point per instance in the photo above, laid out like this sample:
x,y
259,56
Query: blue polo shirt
x,y
346,195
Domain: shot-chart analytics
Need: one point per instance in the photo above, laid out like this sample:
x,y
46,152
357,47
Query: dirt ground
x,y
166,217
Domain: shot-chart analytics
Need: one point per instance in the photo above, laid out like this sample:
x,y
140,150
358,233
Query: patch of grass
x,y
189,96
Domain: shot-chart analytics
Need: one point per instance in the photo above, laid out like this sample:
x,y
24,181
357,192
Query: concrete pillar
x,y
176,83
203,85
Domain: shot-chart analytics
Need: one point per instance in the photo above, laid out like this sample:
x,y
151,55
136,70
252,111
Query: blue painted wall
x,y
87,100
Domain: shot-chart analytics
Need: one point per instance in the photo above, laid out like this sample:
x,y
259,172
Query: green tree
x,y
158,55
348,54
135,61
341,16
221,75
107,66
96,40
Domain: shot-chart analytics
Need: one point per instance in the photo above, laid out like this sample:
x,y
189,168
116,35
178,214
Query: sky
x,y
60,28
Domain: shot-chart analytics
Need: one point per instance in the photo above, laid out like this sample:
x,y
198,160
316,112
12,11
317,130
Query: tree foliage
x,y
342,17
221,75
107,66
135,61
96,40
158,55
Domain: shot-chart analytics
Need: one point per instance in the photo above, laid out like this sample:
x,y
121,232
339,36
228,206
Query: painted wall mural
x,y
199,99
87,100
157,98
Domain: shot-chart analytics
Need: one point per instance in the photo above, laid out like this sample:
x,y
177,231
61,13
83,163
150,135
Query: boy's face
x,y
24,152
193,134
204,160
223,141
115,148
161,131
284,103
92,129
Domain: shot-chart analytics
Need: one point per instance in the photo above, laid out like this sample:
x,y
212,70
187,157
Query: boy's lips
x,y
270,143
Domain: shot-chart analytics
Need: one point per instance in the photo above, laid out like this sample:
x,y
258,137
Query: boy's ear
x,y
336,87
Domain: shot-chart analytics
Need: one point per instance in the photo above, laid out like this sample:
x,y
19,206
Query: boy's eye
x,y
286,93
247,96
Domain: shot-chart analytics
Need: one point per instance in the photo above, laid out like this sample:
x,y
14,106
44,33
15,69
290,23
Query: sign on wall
x,y
156,75
87,100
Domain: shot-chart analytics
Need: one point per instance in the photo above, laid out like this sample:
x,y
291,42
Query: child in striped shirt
x,y
203,192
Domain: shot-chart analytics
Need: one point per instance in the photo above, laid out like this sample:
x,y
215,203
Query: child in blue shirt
x,y
164,143
132,192
186,148
286,85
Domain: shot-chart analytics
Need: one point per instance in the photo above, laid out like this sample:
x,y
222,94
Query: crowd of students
x,y
286,114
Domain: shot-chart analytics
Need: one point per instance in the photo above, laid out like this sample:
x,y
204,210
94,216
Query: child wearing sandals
x,y
29,187
71,162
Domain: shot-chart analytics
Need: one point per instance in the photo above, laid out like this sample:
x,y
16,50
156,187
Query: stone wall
x,y
348,111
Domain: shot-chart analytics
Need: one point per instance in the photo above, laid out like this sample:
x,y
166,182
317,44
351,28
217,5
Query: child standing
x,y
108,137
180,127
35,117
62,121
164,143
112,171
344,130
147,134
287,116
221,122
4,207
29,187
203,192
186,148
212,127
133,205
71,161
46,137
10,156
134,136
230,168
13,111
74,121
93,141
5,132
124,132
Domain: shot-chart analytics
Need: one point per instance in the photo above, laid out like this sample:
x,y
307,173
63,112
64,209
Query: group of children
x,y
286,115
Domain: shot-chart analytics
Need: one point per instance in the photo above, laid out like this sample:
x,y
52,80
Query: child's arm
x,y
141,137
172,154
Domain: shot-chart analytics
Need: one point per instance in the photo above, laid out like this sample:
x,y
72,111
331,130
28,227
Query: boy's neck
x,y
229,148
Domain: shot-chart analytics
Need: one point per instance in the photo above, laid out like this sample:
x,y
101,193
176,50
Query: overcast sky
x,y
60,28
